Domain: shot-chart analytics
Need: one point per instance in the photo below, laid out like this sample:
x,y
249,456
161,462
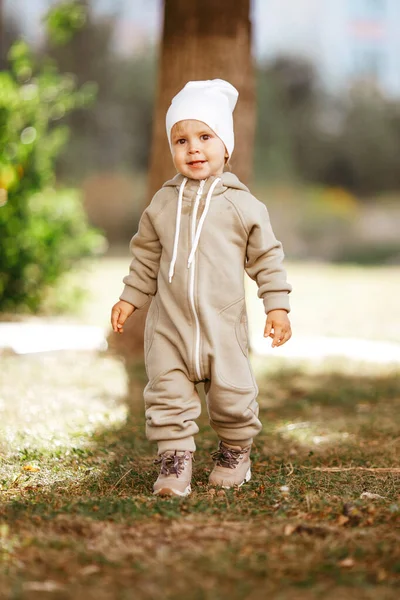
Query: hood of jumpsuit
x,y
210,187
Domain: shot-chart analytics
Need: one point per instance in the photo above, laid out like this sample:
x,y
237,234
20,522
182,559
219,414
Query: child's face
x,y
197,151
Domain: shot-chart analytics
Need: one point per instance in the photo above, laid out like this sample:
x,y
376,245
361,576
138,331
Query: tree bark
x,y
205,39
202,39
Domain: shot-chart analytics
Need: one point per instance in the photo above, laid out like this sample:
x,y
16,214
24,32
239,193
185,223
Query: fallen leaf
x,y
289,529
347,563
372,496
342,520
30,468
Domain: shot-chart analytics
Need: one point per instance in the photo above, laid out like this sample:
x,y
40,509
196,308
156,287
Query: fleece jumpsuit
x,y
194,242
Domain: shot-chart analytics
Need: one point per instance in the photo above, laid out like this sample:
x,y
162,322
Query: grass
x,y
78,519
319,518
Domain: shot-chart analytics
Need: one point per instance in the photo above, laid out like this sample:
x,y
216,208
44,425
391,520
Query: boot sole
x,y
170,492
246,479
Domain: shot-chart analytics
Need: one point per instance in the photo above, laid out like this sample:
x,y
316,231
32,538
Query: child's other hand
x,y
119,314
278,327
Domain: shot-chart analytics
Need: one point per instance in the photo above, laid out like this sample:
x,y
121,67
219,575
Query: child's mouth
x,y
196,163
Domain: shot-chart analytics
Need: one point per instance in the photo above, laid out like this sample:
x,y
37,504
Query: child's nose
x,y
193,148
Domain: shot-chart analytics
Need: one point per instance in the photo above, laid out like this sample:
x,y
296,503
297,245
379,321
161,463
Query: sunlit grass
x,y
51,405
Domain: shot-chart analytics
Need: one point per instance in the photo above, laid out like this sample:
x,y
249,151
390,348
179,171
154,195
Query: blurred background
x,y
78,93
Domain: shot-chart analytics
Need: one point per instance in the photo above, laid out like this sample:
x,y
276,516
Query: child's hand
x,y
119,314
278,327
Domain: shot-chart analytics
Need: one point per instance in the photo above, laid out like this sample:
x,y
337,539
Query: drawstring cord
x,y
177,229
199,227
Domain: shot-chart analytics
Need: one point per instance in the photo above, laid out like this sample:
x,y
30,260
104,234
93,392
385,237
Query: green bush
x,y
42,237
43,230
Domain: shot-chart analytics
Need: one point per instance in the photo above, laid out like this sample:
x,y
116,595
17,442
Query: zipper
x,y
191,281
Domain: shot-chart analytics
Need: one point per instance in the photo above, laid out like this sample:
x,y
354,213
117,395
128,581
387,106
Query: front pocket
x,y
242,334
231,353
150,326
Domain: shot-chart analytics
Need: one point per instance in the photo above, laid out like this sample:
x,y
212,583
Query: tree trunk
x,y
202,39
205,39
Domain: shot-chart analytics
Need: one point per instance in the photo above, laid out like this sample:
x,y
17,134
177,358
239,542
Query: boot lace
x,y
171,464
227,457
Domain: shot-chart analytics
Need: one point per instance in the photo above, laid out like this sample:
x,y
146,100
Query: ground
x,y
319,518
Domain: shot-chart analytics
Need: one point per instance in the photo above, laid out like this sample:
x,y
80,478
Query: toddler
x,y
199,234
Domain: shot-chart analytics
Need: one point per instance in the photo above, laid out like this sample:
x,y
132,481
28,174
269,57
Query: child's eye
x,y
181,141
205,136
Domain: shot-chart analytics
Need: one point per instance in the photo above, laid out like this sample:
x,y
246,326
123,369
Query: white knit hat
x,y
210,101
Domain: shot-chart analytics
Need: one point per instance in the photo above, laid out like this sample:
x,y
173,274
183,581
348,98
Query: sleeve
x,y
141,283
264,257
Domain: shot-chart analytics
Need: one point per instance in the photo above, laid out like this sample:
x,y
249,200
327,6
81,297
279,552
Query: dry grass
x,y
78,519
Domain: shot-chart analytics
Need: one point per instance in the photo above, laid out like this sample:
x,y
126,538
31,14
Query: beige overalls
x,y
194,242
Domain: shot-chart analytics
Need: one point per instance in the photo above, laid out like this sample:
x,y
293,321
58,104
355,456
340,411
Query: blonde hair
x,y
178,128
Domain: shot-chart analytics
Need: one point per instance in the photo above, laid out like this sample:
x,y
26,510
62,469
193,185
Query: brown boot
x,y
232,466
175,474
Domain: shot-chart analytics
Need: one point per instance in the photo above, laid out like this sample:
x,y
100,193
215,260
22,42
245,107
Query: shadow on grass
x,y
311,421
89,510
